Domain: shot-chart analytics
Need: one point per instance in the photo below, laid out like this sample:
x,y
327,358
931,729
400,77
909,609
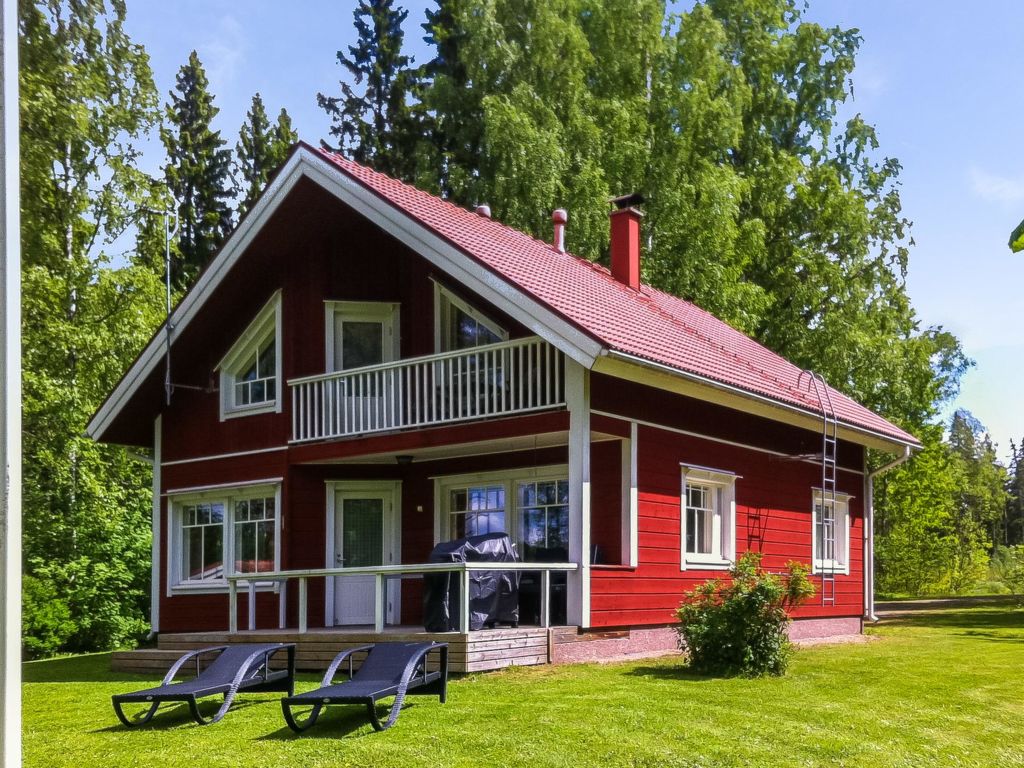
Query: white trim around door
x,y
390,491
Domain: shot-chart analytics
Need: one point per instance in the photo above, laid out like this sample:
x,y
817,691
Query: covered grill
x,y
493,595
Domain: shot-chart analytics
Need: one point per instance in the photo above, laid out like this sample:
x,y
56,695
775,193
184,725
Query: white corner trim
x,y
155,550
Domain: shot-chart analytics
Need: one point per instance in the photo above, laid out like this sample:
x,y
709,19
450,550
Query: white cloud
x,y
224,54
997,189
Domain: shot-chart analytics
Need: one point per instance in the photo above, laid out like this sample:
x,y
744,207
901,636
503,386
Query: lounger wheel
x,y
294,723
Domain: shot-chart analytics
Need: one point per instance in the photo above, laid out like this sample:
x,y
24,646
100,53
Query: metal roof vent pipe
x,y
483,210
560,216
625,239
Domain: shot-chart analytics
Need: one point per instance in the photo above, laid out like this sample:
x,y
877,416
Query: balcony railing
x,y
494,380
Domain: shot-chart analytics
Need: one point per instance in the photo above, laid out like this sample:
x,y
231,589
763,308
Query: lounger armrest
x,y
190,655
333,669
265,654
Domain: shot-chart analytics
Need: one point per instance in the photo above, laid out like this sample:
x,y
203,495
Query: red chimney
x,y
625,246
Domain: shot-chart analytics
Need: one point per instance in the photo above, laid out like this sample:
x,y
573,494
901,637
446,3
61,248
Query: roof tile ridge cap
x,y
483,220
711,343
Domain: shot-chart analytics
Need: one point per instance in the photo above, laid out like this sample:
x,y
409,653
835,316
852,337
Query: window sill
x,y
612,567
251,410
218,588
710,564
834,569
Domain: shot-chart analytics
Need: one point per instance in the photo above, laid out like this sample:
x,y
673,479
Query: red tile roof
x,y
648,323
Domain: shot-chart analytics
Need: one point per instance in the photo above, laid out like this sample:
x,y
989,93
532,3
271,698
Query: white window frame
x,y
444,296
226,496
723,485
840,565
386,312
266,325
509,478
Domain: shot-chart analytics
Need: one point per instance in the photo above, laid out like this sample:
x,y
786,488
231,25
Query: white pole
x,y
10,394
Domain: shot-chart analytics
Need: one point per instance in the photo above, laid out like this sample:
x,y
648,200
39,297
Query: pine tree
x,y
377,125
261,148
1014,518
198,172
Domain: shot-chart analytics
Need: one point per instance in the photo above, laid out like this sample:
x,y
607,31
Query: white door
x,y
361,338
364,534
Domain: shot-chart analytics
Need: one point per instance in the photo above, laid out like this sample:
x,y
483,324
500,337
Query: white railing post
x,y
378,602
282,604
464,601
545,598
232,606
303,606
252,605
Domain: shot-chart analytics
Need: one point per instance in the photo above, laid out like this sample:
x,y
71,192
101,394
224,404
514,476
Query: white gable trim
x,y
462,268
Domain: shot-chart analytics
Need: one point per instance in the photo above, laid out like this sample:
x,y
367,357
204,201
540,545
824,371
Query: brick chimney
x,y
625,246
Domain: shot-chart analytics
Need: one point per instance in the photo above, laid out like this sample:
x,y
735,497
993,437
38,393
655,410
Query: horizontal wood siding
x,y
773,503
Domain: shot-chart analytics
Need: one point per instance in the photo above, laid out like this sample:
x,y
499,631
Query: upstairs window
x,y
831,543
250,373
459,326
707,518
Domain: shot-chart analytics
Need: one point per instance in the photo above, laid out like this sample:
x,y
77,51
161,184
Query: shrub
x,y
737,626
1007,568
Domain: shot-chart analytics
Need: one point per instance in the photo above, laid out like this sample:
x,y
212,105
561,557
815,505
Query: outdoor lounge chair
x,y
236,668
389,669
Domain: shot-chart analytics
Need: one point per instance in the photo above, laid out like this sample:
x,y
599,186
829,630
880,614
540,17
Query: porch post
x,y
577,398
154,580
630,500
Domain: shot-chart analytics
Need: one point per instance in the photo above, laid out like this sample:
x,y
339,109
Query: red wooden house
x,y
365,370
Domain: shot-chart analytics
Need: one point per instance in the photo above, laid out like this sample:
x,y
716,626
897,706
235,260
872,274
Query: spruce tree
x,y
376,124
198,172
261,148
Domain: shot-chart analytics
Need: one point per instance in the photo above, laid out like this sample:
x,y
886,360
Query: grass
x,y
940,688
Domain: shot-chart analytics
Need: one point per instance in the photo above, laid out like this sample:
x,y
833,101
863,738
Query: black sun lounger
x,y
390,669
236,668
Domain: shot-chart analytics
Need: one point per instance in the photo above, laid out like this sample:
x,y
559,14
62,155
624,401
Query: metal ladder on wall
x,y
829,444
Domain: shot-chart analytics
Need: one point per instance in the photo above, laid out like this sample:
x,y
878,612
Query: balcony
x,y
503,379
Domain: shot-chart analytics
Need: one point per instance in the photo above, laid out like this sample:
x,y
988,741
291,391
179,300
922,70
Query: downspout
x,y
869,532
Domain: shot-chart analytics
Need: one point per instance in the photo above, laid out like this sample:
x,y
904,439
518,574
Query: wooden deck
x,y
479,651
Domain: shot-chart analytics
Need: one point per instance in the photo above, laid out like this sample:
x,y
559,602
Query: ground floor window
x,y
531,506
831,543
215,533
707,518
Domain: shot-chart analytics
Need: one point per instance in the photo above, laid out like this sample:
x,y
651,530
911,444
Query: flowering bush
x,y
737,626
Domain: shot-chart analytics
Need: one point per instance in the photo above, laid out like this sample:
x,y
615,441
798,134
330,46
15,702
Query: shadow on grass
x,y
672,672
176,715
1006,617
336,722
87,668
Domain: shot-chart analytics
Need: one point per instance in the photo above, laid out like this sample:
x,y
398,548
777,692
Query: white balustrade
x,y
493,380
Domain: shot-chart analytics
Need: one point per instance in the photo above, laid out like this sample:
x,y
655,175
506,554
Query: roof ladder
x,y
825,530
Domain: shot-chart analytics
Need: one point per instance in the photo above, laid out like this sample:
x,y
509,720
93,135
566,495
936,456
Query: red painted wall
x,y
773,502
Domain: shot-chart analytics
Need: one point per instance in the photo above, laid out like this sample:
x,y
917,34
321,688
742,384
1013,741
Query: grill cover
x,y
493,595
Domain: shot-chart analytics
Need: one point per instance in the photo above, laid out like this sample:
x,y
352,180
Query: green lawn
x,y
938,689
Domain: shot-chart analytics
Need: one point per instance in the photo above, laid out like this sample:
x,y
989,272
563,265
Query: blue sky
x,y
942,81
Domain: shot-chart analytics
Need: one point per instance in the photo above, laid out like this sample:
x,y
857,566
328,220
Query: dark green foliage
x,y
87,97
1013,520
377,126
198,172
737,626
261,148
1017,238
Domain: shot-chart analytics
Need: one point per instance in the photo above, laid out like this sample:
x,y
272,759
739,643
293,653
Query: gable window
x,y
250,373
220,532
831,541
460,326
707,518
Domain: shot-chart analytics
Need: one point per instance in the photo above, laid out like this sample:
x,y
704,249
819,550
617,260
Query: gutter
x,y
869,532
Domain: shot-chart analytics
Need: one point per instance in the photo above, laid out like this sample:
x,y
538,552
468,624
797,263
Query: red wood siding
x,y
773,503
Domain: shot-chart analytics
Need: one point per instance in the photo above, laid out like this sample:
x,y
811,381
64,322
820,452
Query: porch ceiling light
x,y
403,459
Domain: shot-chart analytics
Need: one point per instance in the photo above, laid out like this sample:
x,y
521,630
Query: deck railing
x,y
493,380
381,574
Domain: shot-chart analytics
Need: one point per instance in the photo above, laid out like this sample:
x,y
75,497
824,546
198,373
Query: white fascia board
x,y
632,368
208,281
463,268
